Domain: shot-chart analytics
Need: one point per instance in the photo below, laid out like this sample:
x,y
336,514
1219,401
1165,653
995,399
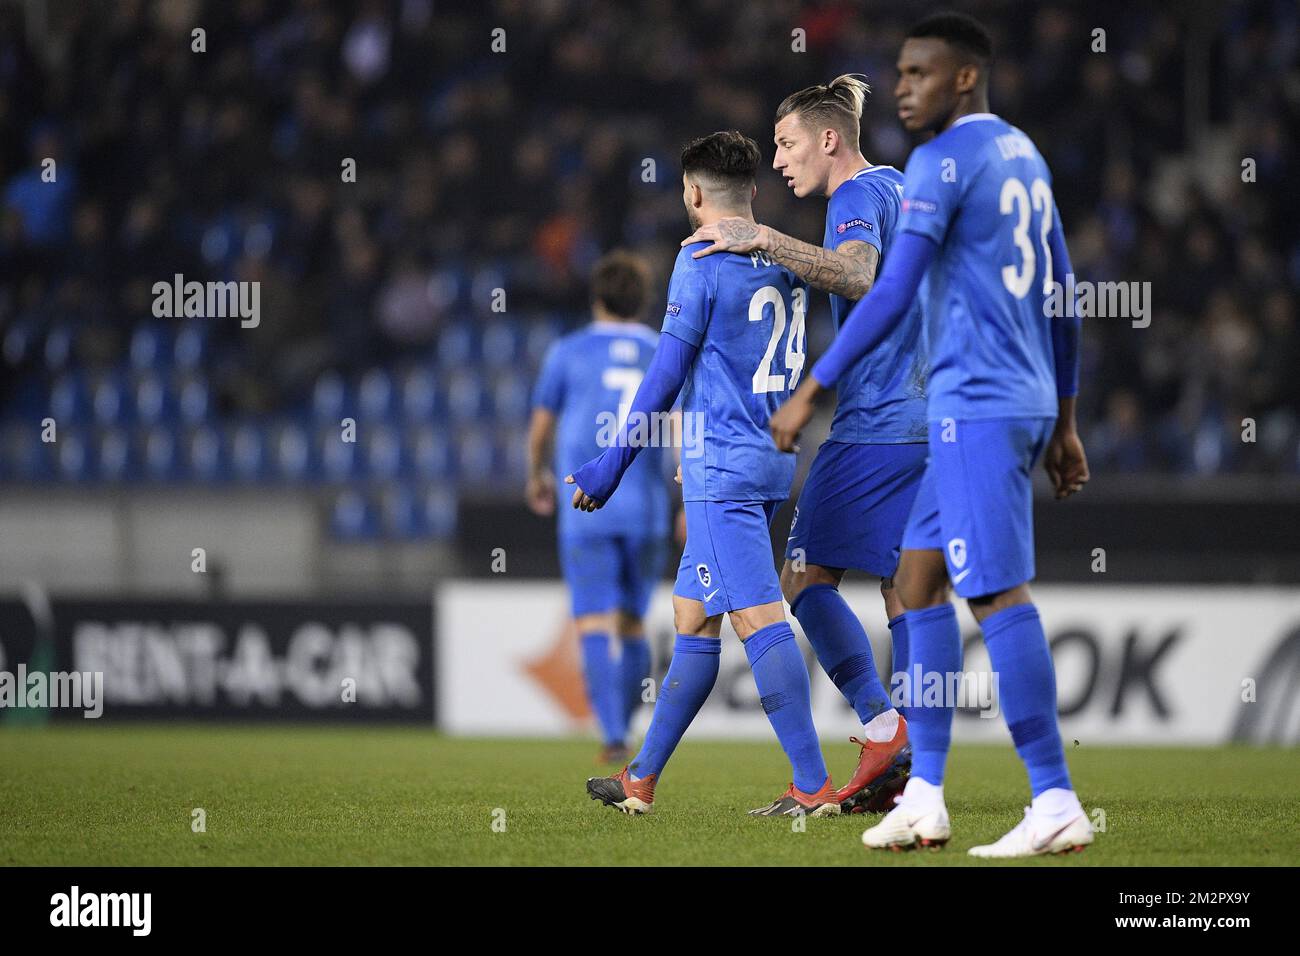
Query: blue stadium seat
x,y
475,455
511,398
292,453
353,517
467,399
383,451
438,505
376,394
150,347
20,341
23,456
73,455
205,457
419,395
110,400
115,456
457,346
340,460
153,399
329,397
248,455
542,332
58,347
70,399
194,399
160,454
190,348
401,515
503,344
429,452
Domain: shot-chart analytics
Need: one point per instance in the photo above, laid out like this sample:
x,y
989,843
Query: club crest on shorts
x,y
702,572
957,552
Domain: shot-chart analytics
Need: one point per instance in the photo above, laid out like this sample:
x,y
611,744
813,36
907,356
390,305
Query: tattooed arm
x,y
848,271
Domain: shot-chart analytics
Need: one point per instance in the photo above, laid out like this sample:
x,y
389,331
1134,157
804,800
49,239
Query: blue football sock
x,y
635,668
898,634
604,688
934,647
842,647
690,677
782,681
1019,656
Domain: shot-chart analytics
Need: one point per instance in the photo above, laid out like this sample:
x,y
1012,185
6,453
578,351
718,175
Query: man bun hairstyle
x,y
959,31
620,283
835,105
726,160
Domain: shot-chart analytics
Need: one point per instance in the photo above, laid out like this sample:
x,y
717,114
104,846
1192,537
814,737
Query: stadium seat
x,y
383,452
292,453
340,460
457,346
353,517
190,348
419,395
70,399
115,456
438,505
475,455
58,347
248,453
204,455
503,344
153,400
400,514
160,454
110,400
376,394
73,456
329,397
150,347
467,399
194,399
429,452
511,398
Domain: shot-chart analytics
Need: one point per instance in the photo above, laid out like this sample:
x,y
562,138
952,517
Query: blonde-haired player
x,y
860,488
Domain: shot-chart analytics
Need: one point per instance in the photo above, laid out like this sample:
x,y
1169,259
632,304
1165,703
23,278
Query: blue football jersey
x,y
981,190
588,380
746,315
881,398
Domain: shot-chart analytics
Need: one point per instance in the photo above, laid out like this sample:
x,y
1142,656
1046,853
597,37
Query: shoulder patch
x,y
849,224
674,308
920,205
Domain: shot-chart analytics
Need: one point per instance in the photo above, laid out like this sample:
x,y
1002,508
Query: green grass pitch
x,y
125,795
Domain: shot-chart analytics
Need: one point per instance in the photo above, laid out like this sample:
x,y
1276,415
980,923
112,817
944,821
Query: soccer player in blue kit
x,y
733,335
612,560
980,229
859,491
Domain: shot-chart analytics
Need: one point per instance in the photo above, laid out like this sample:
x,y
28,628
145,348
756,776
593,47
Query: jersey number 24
x,y
795,343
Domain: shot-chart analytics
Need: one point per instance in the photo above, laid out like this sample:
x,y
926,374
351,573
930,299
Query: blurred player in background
x,y
734,336
611,561
860,488
980,226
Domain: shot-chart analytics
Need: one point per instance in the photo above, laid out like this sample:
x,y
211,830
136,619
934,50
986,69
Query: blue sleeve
x,y
930,194
548,393
1065,327
663,381
689,297
880,310
855,214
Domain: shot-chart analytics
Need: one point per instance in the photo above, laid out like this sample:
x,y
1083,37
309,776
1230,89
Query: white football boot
x,y
919,819
1037,835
